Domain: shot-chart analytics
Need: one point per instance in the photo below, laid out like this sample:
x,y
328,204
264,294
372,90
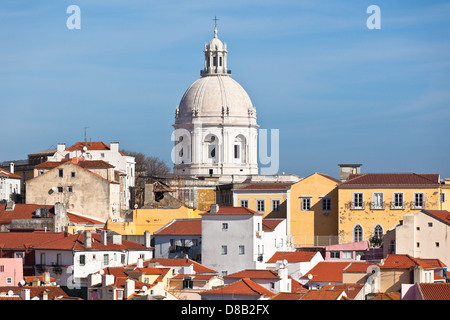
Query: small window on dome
x,y
220,61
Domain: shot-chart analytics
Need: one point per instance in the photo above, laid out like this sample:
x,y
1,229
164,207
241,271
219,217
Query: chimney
x,y
94,279
87,239
114,146
11,167
214,208
347,169
44,295
284,282
46,277
107,280
60,147
104,237
129,288
25,294
140,263
116,239
147,241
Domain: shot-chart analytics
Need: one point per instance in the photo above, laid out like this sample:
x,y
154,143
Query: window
x,y
187,283
224,226
260,205
58,259
347,255
398,200
442,197
430,224
326,204
306,204
82,260
357,233
241,250
60,173
72,174
378,200
378,232
42,257
335,254
2,268
224,250
105,259
418,200
60,189
8,280
276,205
70,189
437,244
244,203
358,200
418,244
236,151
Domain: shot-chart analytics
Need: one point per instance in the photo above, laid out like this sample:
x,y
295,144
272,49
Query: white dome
x,y
215,96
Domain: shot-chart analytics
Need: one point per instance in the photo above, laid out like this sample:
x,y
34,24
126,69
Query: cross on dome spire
x,y
215,56
215,26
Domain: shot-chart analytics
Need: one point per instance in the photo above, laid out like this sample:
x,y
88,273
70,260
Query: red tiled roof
x,y
351,289
52,291
387,296
358,267
90,146
182,227
326,271
21,211
244,286
403,261
288,296
441,215
413,179
330,177
7,174
228,210
292,256
76,242
30,279
199,277
435,291
198,268
22,240
75,218
78,161
270,224
253,274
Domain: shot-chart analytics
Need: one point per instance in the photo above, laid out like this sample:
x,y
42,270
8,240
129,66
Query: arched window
x,y
378,231
357,233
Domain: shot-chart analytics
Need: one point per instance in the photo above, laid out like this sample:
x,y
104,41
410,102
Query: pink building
x,y
354,251
11,271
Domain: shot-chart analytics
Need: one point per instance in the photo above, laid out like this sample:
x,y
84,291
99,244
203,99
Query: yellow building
x,y
372,203
150,220
270,199
313,211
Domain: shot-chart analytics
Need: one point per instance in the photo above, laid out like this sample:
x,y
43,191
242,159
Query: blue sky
x,y
337,91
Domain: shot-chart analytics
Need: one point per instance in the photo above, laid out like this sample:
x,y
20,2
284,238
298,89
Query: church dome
x,y
215,96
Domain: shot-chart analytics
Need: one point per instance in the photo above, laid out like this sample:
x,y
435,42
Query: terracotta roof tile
x,y
244,286
265,186
52,291
435,291
78,161
198,268
21,211
253,274
326,271
78,146
292,256
228,210
269,225
8,174
403,261
441,215
429,179
387,296
18,240
181,227
75,218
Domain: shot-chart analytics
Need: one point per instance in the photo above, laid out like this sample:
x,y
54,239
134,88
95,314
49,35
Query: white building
x,y
9,184
215,122
73,258
237,238
125,165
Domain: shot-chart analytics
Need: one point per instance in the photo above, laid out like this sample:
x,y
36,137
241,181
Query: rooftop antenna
x,y
85,139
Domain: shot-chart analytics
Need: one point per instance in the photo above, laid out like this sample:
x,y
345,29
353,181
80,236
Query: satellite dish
x,y
53,188
144,288
84,148
310,276
22,282
10,293
101,272
285,262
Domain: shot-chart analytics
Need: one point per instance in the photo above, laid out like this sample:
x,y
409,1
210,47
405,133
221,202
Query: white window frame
x,y
354,204
224,250
243,201
394,201
241,250
305,203
263,201
375,204
276,208
415,205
